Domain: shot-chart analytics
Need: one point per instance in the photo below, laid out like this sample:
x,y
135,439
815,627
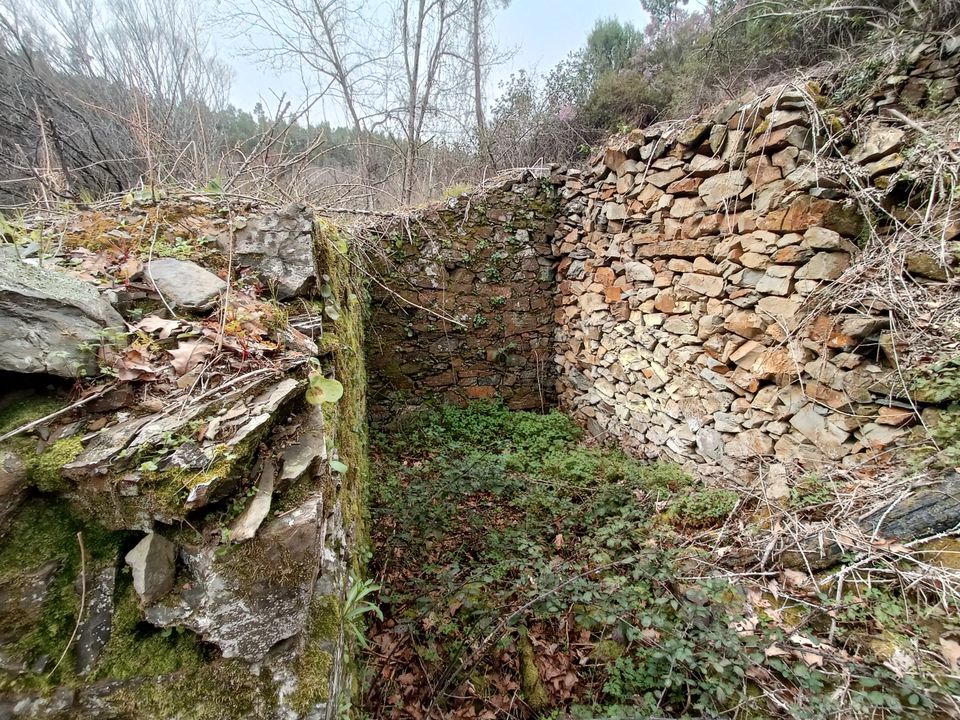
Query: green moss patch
x,y
43,531
43,469
224,690
31,408
137,649
315,663
347,417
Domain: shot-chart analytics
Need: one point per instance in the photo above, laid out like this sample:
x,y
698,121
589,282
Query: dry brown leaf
x,y
950,649
811,659
775,651
187,355
130,267
134,364
795,579
759,673
153,404
152,323
650,636
848,540
755,597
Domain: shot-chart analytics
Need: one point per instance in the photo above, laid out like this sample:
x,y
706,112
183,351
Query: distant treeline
x,y
99,96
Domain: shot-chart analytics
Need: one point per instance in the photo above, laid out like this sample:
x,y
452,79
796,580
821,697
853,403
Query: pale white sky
x,y
542,32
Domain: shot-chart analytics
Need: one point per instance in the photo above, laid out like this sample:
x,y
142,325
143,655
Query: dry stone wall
x,y
697,262
465,309
698,282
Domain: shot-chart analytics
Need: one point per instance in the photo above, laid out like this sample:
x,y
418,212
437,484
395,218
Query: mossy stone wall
x,y
465,309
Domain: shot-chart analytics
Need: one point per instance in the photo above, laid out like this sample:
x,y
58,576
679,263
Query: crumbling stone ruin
x,y
697,265
712,291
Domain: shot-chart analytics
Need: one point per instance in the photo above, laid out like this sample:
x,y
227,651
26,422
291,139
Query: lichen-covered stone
x,y
251,597
279,246
50,321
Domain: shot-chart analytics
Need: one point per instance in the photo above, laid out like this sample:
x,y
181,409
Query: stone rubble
x,y
243,539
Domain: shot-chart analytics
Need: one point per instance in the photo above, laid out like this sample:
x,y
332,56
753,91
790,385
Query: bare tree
x,y
432,85
412,70
483,54
340,50
98,95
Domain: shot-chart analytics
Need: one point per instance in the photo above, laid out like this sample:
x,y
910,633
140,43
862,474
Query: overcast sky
x,y
541,31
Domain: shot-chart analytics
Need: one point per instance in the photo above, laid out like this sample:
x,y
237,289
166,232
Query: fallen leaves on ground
x,y
187,355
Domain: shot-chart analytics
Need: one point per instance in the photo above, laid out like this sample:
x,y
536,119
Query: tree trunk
x,y
476,31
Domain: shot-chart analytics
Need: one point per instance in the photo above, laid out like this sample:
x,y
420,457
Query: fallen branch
x,y
55,415
83,603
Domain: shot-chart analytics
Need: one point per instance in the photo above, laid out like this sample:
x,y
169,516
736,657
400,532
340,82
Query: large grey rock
x,y
184,284
49,320
279,247
153,564
249,598
303,455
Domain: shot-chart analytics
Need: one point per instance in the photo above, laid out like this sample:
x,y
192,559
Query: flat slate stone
x,y
98,619
184,284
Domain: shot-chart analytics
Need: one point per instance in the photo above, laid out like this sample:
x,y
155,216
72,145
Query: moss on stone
x,y
327,344
137,649
325,618
168,489
45,530
165,491
259,561
27,410
347,417
316,664
43,470
223,690
534,690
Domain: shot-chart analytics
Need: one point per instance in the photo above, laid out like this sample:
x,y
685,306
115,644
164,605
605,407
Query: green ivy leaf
x,y
338,467
323,389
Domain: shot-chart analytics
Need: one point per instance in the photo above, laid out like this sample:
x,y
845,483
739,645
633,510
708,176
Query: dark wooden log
x,y
928,511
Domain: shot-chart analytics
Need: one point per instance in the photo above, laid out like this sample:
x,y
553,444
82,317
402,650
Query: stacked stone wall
x,y
713,291
464,306
699,264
